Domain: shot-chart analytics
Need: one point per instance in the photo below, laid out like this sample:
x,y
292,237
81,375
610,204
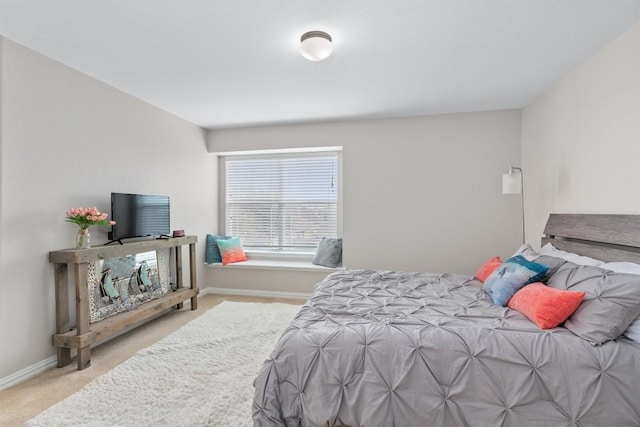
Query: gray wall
x,y
70,140
420,194
581,139
1,168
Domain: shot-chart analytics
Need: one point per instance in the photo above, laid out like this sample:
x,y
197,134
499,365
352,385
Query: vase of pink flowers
x,y
84,218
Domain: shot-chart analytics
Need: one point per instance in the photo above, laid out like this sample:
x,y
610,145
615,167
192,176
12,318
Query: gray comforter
x,y
388,349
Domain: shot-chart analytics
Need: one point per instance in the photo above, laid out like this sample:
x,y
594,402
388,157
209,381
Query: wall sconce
x,y
513,183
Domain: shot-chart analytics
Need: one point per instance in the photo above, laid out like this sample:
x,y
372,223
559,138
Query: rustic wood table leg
x,y
179,281
62,311
85,333
192,274
82,313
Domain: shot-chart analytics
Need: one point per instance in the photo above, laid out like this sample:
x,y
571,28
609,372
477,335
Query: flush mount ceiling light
x,y
316,45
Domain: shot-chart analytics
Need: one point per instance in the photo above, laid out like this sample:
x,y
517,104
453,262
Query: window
x,y
281,202
149,257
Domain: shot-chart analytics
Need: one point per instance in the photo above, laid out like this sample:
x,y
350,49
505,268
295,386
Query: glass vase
x,y
83,239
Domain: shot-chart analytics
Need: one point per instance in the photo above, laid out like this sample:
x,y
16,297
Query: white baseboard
x,y
28,372
254,293
51,362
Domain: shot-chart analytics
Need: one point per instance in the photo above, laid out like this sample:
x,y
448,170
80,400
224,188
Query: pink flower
x,y
86,217
112,223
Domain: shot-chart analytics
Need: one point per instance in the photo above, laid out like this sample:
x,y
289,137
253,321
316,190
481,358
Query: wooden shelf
x,y
84,333
107,327
114,250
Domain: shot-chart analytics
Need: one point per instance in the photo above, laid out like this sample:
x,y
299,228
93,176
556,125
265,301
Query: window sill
x,y
258,255
264,264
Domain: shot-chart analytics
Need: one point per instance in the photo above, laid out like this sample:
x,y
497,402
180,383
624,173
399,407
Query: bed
x,y
387,348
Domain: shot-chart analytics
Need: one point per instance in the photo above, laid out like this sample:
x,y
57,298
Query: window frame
x,y
276,254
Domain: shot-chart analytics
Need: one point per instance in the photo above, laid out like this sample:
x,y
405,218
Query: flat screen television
x,y
139,215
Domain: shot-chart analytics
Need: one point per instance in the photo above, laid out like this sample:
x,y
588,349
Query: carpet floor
x,y
201,377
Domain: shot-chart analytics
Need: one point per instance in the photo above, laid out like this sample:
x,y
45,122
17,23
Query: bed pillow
x,y
527,252
552,263
487,268
622,267
546,307
633,331
212,255
329,253
611,303
512,275
551,250
231,250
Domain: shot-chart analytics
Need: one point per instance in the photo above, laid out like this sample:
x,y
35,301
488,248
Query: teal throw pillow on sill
x,y
212,251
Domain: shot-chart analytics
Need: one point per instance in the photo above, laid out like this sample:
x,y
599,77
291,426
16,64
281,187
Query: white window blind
x,y
284,202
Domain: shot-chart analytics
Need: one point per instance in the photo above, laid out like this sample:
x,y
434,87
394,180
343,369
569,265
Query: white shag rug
x,y
200,375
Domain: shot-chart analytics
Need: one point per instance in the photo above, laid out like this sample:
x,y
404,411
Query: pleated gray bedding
x,y
404,349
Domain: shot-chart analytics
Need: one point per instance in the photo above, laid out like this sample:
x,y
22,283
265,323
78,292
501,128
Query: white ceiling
x,y
236,63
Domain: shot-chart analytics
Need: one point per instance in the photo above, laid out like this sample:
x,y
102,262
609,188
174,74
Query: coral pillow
x,y
487,268
231,250
546,307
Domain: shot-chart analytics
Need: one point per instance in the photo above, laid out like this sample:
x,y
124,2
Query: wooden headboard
x,y
605,237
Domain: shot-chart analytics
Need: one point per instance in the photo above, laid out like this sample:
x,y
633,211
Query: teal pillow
x,y
212,252
511,276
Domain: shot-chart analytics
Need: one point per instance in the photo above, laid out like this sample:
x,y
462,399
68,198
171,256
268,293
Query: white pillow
x,y
622,267
633,331
551,250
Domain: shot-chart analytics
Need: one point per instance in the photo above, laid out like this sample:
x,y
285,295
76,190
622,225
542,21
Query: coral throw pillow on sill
x,y
231,250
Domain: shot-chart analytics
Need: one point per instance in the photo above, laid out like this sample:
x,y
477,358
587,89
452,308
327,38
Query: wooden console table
x,y
84,334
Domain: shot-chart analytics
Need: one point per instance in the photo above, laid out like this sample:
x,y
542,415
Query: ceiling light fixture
x,y
316,45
